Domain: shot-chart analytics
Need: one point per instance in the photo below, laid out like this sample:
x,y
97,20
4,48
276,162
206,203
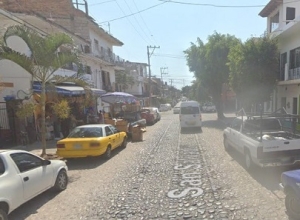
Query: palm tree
x,y
45,59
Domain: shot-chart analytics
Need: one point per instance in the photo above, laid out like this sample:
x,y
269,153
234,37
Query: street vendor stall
x,y
123,111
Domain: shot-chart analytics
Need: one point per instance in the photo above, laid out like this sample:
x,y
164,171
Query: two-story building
x,y
97,56
48,17
283,23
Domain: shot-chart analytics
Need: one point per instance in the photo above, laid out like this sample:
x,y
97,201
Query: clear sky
x,y
173,27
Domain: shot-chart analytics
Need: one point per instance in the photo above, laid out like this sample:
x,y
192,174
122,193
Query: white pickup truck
x,y
262,141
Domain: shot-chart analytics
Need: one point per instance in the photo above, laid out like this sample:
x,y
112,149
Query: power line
x,y
131,22
100,3
150,32
169,56
153,6
222,6
213,5
137,20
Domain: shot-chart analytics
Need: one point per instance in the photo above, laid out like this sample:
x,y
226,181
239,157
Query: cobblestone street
x,y
170,175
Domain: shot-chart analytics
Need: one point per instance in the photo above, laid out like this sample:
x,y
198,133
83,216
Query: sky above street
x,y
173,26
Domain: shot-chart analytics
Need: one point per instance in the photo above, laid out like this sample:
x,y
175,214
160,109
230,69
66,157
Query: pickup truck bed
x,y
269,147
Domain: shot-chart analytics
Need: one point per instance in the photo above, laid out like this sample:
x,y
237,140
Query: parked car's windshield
x,y
86,132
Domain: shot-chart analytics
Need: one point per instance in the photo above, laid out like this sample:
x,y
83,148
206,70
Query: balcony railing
x,y
294,73
110,57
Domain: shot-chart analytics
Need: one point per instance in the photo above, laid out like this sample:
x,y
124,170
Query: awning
x,y
67,90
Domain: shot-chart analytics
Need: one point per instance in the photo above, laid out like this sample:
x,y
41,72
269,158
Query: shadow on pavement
x,y
90,162
219,124
268,177
31,207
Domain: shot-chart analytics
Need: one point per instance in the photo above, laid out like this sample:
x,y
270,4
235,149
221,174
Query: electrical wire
x,y
213,5
125,16
137,20
169,56
221,6
130,22
140,14
100,3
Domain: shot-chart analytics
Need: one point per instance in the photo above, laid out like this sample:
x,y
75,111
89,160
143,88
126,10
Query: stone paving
x,y
170,175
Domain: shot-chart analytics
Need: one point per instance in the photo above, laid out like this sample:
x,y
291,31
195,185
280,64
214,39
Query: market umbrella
x,y
118,97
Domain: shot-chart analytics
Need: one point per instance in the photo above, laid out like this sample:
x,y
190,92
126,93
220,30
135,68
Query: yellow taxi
x,y
91,140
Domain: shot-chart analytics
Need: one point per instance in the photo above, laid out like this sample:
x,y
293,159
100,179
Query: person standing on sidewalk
x,y
101,117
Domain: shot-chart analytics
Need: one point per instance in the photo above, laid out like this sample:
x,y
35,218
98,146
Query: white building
x,y
283,22
139,72
96,45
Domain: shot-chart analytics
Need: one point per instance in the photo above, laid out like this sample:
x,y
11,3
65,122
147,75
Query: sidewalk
x,y
36,147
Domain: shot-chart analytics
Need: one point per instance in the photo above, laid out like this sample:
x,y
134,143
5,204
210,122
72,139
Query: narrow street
x,y
170,175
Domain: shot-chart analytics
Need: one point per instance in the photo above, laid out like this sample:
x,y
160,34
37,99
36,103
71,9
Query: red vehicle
x,y
149,116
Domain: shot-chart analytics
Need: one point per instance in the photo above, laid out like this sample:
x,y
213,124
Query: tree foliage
x,y
208,61
124,79
254,67
45,59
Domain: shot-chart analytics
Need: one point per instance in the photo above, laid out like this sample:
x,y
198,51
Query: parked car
x,y
24,175
169,106
176,110
209,107
290,184
158,113
164,108
91,140
149,115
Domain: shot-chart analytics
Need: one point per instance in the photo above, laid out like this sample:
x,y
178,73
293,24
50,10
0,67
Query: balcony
x,y
294,73
110,57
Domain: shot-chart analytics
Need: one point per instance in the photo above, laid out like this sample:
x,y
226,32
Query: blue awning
x,y
67,90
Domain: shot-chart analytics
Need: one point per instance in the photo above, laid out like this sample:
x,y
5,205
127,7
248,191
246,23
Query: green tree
x,y
124,79
209,61
199,92
254,68
44,60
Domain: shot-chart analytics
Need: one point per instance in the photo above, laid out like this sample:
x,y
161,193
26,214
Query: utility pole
x,y
161,78
149,66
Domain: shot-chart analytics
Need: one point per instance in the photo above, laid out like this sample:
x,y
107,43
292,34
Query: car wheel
x,y
226,144
61,181
124,143
292,204
3,215
108,152
248,161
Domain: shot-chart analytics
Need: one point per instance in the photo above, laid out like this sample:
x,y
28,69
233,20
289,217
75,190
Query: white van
x,y
190,115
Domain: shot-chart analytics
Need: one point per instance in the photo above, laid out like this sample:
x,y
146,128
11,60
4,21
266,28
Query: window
x,y
86,132
190,110
114,129
88,70
108,131
2,167
295,58
290,14
236,124
283,61
26,161
274,22
87,49
96,44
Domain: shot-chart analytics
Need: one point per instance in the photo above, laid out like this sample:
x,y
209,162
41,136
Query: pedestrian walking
x,y
101,117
